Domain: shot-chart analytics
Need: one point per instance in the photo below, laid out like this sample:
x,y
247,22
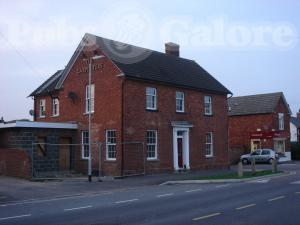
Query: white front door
x,y
181,156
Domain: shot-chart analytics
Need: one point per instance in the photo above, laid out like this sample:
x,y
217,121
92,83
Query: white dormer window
x,y
42,110
55,107
281,121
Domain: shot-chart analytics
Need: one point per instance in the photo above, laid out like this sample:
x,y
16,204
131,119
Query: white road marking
x,y
222,185
125,201
297,193
14,217
245,206
207,216
32,201
164,195
260,181
82,207
277,198
194,190
296,182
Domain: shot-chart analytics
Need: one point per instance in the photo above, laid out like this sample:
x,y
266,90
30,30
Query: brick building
x,y
259,121
295,128
169,103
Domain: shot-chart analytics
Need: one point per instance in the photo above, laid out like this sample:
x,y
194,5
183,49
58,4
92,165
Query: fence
x,y
68,160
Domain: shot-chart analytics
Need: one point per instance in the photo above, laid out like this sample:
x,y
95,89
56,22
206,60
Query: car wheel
x,y
245,161
271,161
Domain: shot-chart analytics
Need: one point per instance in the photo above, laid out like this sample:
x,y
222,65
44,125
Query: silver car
x,y
260,156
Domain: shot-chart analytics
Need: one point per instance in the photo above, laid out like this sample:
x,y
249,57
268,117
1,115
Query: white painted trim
x,y
31,124
185,147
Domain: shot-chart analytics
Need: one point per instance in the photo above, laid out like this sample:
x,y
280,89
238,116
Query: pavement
x,y
141,201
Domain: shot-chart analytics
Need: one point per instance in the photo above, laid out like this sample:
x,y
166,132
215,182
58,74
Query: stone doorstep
x,y
226,180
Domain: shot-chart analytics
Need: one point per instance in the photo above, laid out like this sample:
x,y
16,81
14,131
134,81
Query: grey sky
x,y
250,46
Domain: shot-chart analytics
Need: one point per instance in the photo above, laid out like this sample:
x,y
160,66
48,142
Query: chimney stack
x,y
172,49
298,114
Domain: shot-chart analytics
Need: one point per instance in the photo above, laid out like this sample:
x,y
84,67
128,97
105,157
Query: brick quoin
x,y
120,105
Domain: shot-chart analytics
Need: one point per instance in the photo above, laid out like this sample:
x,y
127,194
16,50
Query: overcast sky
x,y
250,46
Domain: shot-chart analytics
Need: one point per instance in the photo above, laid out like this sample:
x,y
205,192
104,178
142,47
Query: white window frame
x,y
55,107
84,145
90,100
151,98
42,108
281,121
211,144
208,110
181,100
108,144
152,144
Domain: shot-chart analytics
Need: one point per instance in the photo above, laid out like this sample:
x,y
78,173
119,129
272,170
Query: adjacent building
x,y
259,121
295,128
170,104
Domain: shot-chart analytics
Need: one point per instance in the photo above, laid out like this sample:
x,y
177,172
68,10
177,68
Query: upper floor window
x,y
281,121
42,108
179,101
89,98
207,105
85,145
55,107
209,145
151,98
111,145
151,144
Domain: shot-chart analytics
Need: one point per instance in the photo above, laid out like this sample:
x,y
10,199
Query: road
x,y
265,201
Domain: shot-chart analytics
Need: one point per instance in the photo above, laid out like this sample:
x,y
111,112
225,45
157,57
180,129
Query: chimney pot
x,y
172,49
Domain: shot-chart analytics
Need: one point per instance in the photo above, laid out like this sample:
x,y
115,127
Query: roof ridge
x,y
254,95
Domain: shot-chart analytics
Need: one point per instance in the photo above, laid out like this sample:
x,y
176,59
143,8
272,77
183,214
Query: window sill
x,y
55,116
208,115
84,158
209,156
179,112
110,160
152,160
87,113
42,117
151,110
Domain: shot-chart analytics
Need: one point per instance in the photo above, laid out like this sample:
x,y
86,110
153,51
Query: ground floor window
x,y
85,144
279,146
151,144
111,145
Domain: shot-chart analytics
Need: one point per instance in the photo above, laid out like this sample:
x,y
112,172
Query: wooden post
x,y
240,170
274,166
253,169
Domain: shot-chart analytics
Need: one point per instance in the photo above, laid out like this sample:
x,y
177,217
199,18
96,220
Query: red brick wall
x,y
108,115
138,121
107,106
15,163
240,128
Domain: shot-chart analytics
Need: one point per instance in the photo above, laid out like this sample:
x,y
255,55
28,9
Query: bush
x,y
295,151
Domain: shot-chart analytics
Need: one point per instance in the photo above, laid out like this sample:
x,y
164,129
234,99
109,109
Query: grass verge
x,y
247,174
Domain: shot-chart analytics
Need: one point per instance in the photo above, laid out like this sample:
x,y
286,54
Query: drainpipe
x,y
229,152
122,127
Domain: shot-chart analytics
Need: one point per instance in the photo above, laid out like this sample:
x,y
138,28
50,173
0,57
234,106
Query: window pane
x,y
151,143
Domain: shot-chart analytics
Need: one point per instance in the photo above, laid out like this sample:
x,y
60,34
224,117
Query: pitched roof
x,y
255,104
295,121
48,85
149,65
